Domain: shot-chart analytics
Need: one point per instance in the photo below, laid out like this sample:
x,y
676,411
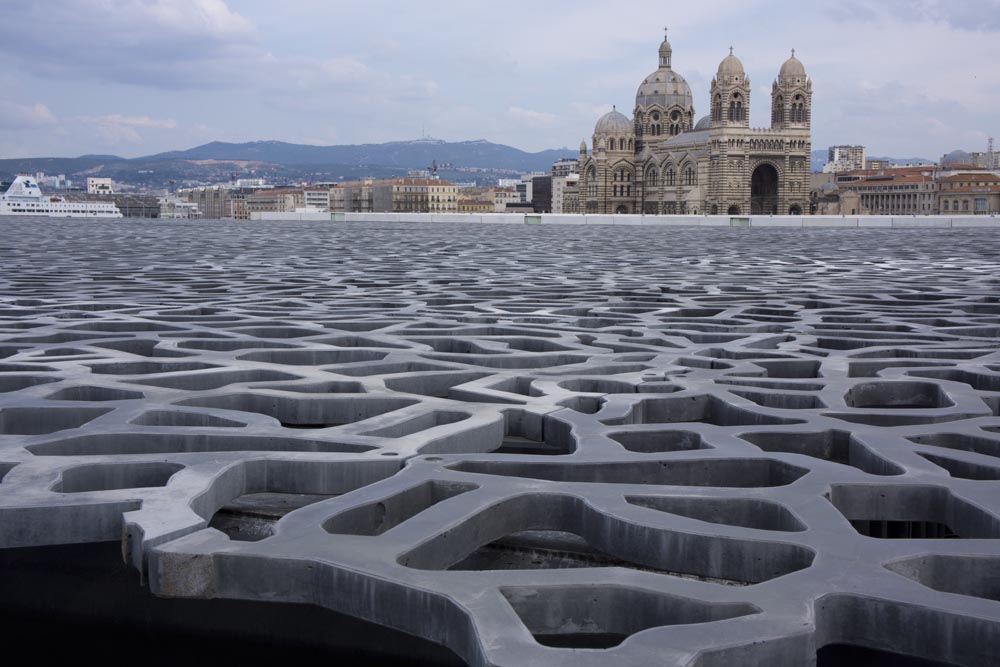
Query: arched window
x,y
652,177
779,110
631,146
717,108
736,108
671,178
798,110
689,176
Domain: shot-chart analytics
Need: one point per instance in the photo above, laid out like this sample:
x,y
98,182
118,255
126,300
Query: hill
x,y
280,162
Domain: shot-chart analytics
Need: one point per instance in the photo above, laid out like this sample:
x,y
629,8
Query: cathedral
x,y
665,162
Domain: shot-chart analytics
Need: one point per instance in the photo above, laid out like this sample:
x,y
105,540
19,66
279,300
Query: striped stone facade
x,y
662,162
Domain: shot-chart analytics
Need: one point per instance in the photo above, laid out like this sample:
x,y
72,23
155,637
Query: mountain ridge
x,y
282,162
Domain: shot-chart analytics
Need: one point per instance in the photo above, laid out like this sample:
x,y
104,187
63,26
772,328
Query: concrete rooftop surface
x,y
579,446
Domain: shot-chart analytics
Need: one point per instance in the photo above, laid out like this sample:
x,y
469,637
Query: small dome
x,y
583,146
731,65
704,124
793,69
956,159
614,124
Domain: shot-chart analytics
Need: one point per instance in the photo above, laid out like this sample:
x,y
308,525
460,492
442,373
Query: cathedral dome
x,y
731,65
704,124
665,88
793,68
613,124
957,160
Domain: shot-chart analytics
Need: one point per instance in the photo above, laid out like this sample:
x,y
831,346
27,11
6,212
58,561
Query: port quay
x,y
506,445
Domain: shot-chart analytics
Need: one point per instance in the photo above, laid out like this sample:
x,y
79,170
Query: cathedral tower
x,y
791,97
664,105
731,94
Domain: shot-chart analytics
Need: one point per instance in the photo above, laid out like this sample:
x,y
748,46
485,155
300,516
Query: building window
x,y
736,108
671,176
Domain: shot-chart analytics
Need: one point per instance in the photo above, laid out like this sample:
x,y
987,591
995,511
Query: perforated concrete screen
x,y
580,446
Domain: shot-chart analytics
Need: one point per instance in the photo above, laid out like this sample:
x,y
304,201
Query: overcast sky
x,y
133,77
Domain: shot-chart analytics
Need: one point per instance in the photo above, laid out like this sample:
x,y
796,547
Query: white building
x,y
100,186
845,158
317,199
177,208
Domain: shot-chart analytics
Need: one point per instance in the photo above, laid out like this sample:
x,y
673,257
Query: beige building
x,y
211,201
475,206
442,197
898,191
970,193
236,204
353,197
503,196
414,195
275,201
664,161
565,194
475,200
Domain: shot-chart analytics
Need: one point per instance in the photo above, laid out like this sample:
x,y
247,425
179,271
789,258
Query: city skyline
x,y
143,76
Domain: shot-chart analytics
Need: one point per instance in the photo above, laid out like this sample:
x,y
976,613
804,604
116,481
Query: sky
x,y
906,78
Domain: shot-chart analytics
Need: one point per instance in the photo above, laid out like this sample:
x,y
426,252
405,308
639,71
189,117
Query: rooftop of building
x,y
981,177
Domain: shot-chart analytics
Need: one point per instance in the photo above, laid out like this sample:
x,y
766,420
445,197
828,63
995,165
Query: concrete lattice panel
x,y
560,446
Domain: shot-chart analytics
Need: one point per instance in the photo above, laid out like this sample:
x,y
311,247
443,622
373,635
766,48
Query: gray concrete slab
x,y
531,444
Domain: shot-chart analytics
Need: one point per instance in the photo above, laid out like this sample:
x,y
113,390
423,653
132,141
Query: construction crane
x,y
433,168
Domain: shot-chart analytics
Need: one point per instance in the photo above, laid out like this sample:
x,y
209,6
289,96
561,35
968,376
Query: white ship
x,y
23,197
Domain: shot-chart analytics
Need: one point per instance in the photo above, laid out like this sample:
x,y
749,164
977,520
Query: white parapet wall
x,y
290,217
783,221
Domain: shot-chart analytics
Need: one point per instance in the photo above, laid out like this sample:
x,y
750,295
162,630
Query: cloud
x,y
311,70
971,15
168,43
118,128
25,116
533,118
